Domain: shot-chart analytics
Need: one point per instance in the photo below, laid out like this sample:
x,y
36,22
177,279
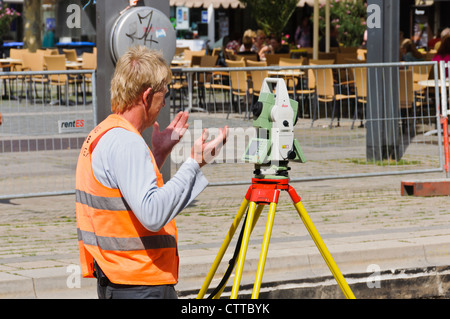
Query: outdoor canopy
x,y
225,3
206,3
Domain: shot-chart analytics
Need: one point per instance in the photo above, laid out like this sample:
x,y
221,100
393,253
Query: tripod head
x,y
274,117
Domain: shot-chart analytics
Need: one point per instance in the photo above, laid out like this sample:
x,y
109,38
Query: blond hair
x,y
249,33
260,33
137,70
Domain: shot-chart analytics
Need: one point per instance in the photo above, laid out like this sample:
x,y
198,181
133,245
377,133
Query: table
x,y
189,77
286,73
73,65
10,62
432,83
69,65
180,62
190,107
194,45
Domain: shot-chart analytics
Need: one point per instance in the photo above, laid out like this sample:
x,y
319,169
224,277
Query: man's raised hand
x,y
204,152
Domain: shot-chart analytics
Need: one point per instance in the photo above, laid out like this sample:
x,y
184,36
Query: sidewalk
x,y
365,222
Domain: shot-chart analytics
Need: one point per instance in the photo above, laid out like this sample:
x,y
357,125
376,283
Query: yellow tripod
x,y
266,192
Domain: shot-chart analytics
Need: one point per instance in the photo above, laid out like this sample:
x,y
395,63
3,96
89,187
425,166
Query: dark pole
x,y
107,13
382,83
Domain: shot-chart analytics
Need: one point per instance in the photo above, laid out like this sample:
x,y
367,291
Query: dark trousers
x,y
109,290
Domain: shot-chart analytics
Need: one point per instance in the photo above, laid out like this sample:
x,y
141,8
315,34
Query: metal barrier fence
x,y
355,120
444,84
46,116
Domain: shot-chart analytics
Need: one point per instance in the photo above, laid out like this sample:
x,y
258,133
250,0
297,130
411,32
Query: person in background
x,y
249,37
275,43
303,34
410,52
0,118
275,46
437,38
259,41
48,40
260,46
364,43
444,33
247,44
222,53
334,43
443,53
234,43
401,38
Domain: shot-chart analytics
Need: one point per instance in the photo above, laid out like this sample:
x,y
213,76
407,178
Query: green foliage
x,y
271,15
7,15
387,162
349,17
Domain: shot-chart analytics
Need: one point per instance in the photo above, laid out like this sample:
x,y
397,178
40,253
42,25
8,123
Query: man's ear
x,y
147,98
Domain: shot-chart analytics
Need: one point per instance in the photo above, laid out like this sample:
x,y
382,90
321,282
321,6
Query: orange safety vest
x,y
110,233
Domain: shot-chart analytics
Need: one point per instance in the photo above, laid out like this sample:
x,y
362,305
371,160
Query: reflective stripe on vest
x,y
127,244
104,203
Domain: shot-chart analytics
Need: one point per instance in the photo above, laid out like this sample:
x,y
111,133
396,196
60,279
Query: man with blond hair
x,y
125,213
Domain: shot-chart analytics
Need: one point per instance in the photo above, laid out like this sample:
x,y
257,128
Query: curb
x,y
301,275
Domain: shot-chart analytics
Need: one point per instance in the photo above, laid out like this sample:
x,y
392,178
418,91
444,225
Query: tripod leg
x,y
257,214
321,245
243,251
223,248
264,249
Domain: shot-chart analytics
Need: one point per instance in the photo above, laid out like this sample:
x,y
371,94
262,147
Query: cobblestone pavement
x,y
352,216
362,221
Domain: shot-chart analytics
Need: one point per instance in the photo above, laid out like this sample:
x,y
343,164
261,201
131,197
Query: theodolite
x,y
274,117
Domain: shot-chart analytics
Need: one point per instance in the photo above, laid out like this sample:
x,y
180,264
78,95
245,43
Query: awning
x,y
205,3
226,3
310,3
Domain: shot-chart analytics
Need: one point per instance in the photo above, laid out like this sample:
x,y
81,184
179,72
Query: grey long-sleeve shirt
x,y
121,160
